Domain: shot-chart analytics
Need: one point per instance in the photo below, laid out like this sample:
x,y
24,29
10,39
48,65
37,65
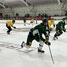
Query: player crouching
x,y
9,24
60,27
36,34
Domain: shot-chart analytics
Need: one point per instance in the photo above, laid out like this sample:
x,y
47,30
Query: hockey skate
x,y
54,38
41,51
22,44
8,32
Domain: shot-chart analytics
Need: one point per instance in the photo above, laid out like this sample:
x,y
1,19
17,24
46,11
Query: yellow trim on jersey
x,y
32,20
10,23
50,23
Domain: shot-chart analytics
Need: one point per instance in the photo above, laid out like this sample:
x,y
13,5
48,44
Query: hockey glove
x,y
14,27
47,37
47,43
64,30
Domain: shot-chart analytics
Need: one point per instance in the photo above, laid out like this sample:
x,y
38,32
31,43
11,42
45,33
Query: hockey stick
x,y
19,49
51,55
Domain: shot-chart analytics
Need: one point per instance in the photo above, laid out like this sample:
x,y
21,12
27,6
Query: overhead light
x,y
1,4
24,1
59,1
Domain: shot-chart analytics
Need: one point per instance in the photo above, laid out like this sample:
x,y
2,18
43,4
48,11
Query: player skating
x,y
9,24
60,27
36,34
24,20
31,22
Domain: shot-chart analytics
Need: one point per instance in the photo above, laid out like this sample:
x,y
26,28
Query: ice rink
x,y
14,57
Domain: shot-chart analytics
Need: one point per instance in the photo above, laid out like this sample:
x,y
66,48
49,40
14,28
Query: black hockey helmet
x,y
63,19
13,21
45,20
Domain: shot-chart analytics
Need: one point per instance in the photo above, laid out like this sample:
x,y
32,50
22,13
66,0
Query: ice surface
x,y
11,57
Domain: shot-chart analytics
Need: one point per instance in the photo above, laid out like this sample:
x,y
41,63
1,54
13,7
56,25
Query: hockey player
x,y
51,22
47,27
36,34
31,22
9,24
60,27
24,20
